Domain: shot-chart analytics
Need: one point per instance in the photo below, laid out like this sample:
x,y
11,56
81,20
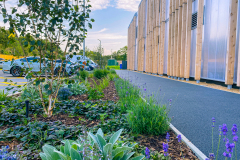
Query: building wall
x,y
210,56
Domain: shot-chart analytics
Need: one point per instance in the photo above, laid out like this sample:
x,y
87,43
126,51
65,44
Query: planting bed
x,y
77,114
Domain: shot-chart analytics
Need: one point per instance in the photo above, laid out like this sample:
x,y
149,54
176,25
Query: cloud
x,y
99,4
129,5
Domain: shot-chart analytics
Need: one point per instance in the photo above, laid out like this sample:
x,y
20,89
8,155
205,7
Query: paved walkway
x,y
193,108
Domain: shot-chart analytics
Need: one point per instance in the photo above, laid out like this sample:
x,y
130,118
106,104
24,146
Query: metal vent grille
x,y
194,20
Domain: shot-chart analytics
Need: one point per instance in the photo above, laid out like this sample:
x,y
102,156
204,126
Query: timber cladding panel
x,y
151,39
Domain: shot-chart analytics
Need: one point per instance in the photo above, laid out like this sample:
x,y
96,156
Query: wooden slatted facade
x,y
152,33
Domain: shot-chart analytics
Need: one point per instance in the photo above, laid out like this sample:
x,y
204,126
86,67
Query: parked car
x,y
17,67
1,62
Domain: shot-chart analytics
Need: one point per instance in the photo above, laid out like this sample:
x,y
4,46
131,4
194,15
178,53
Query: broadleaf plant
x,y
43,26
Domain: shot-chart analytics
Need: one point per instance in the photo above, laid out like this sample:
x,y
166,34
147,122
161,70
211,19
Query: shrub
x,y
98,73
90,75
77,88
148,118
83,74
143,118
94,93
105,72
64,93
112,71
114,67
111,77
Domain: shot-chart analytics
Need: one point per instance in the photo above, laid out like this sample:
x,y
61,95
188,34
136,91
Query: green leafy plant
x,y
77,88
110,150
111,77
91,75
3,95
98,73
83,74
105,72
29,34
64,93
94,93
112,71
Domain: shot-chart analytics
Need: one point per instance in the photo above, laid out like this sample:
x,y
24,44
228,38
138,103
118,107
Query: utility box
x,y
112,62
124,64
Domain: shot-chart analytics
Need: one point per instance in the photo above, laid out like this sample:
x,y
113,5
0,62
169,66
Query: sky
x,y
112,18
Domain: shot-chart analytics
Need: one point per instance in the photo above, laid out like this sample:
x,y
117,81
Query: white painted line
x,y
195,150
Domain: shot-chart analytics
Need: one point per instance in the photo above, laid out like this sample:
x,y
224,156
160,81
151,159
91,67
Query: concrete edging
x,y
195,150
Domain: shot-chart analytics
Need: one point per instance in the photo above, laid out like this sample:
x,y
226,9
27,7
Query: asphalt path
x,y
8,81
192,108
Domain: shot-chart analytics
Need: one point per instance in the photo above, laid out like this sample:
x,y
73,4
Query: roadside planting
x,y
114,105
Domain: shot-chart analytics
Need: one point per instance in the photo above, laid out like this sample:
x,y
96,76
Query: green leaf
x,y
100,132
39,43
67,148
37,83
107,149
5,20
115,137
120,149
14,10
32,42
25,43
127,156
62,155
49,152
37,35
46,86
138,158
3,10
118,156
101,141
75,155
31,48
43,156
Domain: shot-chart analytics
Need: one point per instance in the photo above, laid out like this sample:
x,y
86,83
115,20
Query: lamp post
x,y
100,54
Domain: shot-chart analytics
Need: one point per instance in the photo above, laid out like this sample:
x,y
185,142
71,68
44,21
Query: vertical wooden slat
x,y
238,69
175,39
231,44
179,38
183,42
199,40
169,39
188,39
172,40
162,36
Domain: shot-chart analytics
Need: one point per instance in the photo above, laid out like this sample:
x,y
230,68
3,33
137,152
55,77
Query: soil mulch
x,y
156,143
110,92
69,121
